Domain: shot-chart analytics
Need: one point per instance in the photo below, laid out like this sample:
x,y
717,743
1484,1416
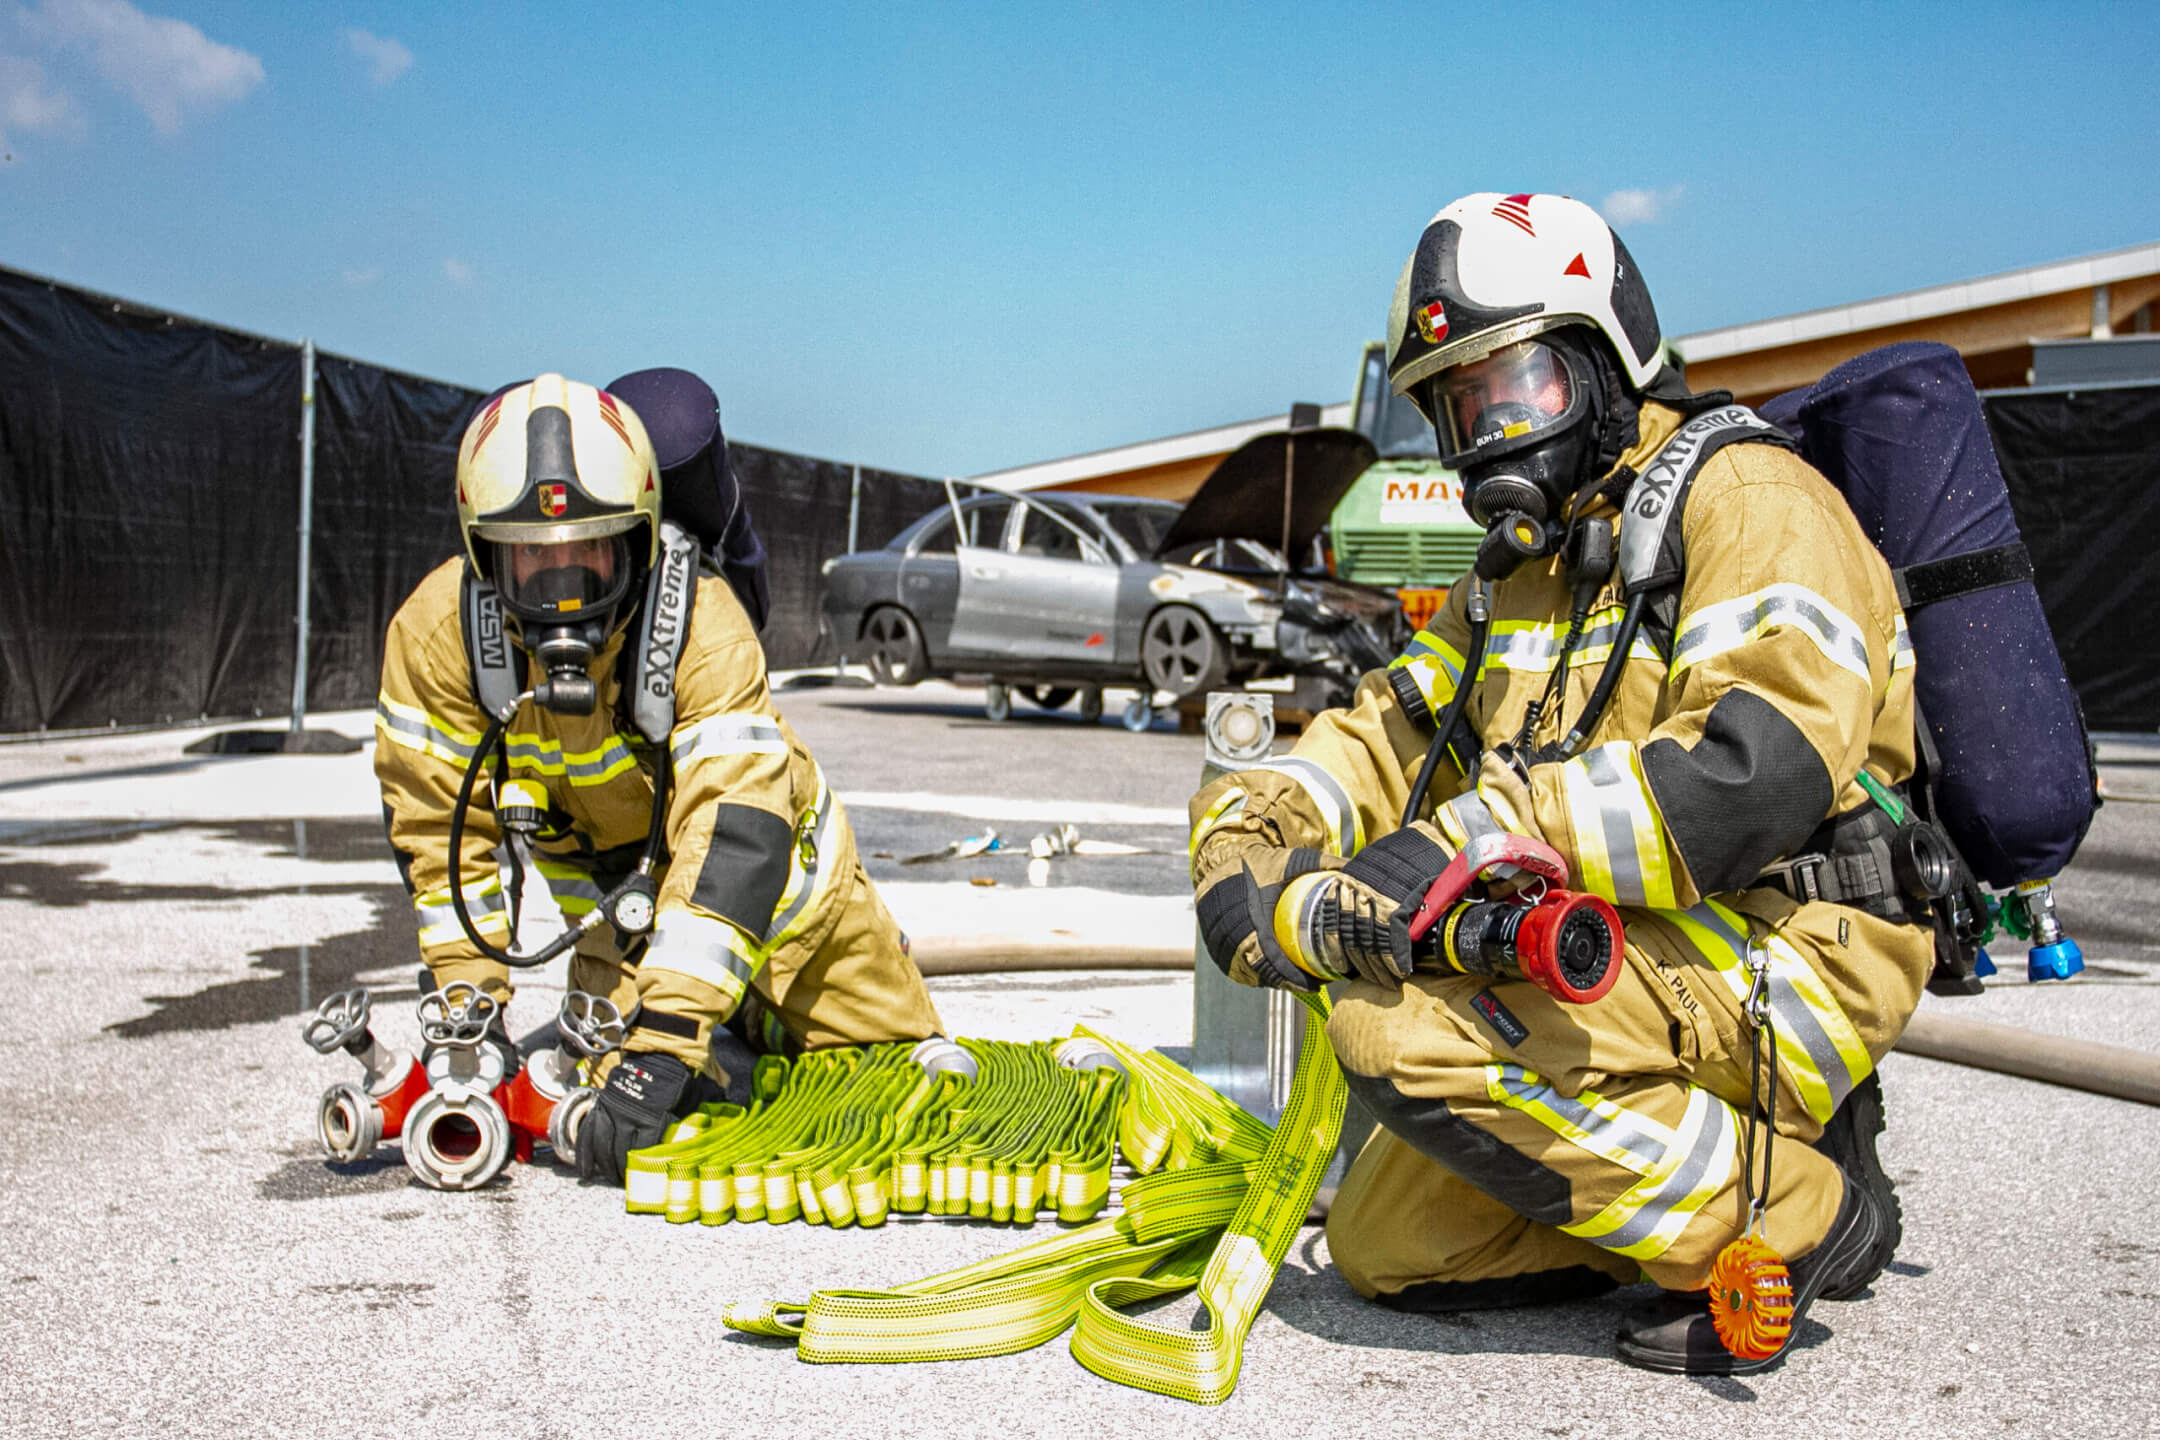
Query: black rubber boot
x,y
1500,1292
1849,1139
1673,1332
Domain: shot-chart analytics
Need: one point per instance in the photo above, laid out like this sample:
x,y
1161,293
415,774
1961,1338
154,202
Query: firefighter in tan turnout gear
x,y
572,589
1693,668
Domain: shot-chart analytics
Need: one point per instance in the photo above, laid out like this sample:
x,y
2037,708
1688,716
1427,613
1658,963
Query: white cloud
x,y
1638,207
31,106
457,271
166,66
384,57
365,275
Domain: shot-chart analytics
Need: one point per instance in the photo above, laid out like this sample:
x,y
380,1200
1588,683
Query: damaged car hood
x,y
1242,498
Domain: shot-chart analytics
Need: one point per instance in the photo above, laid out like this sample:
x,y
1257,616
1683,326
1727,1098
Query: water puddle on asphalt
x,y
58,864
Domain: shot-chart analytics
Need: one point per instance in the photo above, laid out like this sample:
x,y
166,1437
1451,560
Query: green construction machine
x,y
1402,524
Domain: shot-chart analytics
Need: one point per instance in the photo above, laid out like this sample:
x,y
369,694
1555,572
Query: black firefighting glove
x,y
644,1095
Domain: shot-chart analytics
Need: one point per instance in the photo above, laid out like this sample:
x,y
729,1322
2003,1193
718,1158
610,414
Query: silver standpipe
x,y
1245,1040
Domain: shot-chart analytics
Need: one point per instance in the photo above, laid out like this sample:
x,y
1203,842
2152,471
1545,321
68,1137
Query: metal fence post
x,y
307,531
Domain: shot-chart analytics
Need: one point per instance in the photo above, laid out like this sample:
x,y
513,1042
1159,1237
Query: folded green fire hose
x,y
842,1136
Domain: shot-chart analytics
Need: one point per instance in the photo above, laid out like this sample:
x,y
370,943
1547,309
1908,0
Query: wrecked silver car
x,y
1059,594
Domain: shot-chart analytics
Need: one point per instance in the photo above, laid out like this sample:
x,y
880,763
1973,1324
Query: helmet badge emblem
x,y
1432,323
1577,267
554,499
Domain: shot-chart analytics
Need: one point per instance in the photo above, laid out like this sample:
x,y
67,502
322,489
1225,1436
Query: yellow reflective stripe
x,y
438,918
580,767
1645,1219
1620,848
1679,1170
1428,645
736,733
415,729
1227,807
1465,818
572,886
1729,624
1533,646
1587,1120
1434,665
810,879
1817,1046
1345,828
707,950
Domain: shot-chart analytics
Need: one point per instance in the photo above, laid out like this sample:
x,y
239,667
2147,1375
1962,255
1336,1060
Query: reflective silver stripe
x,y
1533,647
1619,841
1426,645
437,913
532,752
1472,818
734,734
1612,1127
417,730
1716,1139
711,951
804,884
1729,624
1346,831
1822,1073
570,883
1901,649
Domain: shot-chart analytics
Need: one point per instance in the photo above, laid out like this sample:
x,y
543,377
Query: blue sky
x,y
954,238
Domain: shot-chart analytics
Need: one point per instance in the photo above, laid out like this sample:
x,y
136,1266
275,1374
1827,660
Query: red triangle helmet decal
x,y
648,482
1576,267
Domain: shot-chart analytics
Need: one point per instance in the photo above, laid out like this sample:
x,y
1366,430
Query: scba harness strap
x,y
654,648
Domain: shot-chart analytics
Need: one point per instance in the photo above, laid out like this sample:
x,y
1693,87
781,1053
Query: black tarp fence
x,y
2083,468
150,509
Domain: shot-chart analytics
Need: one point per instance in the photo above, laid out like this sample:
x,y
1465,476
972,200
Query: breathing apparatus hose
x,y
1615,662
648,859
1480,618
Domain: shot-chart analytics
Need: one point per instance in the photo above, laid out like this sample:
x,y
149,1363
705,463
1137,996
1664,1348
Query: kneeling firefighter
x,y
583,687
1681,665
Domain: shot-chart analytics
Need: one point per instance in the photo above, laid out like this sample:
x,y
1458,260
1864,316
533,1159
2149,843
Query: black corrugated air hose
x,y
648,860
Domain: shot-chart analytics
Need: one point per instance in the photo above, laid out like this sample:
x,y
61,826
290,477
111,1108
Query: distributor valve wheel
x,y
457,1014
590,1024
337,1022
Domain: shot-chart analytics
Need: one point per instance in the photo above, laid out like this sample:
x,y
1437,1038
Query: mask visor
x,y
567,581
1511,399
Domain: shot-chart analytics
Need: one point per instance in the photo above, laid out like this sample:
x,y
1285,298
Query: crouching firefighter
x,y
582,688
1681,666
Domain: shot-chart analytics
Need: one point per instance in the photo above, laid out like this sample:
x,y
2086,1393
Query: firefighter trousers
x,y
1522,1135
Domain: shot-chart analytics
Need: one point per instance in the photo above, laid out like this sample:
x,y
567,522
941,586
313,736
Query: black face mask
x,y
1521,498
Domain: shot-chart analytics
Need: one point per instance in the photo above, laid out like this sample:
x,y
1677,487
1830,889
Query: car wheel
x,y
1091,703
997,701
1051,697
897,656
1180,652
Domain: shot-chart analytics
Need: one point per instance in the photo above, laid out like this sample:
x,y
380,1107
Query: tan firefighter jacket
x,y
1787,670
758,848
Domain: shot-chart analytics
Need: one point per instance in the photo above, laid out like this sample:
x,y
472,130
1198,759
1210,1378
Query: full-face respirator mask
x,y
1520,425
566,597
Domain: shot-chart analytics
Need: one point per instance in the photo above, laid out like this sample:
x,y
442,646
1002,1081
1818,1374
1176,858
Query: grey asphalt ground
x,y
180,1260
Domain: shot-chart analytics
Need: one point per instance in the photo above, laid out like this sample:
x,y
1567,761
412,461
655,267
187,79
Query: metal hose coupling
x,y
457,1137
549,1099
938,1054
1084,1052
352,1119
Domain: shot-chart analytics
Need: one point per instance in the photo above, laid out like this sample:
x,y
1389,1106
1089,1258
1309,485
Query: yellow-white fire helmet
x,y
558,499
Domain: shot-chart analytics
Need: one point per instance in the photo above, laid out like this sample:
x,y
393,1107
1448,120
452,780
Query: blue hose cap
x,y
1983,966
2054,962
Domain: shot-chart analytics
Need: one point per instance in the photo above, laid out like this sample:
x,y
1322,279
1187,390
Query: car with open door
x,y
1058,594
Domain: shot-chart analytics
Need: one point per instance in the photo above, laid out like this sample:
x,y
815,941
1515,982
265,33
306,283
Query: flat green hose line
x,y
1220,1198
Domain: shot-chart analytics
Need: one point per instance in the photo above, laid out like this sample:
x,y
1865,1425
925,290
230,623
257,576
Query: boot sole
x,y
1859,1239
